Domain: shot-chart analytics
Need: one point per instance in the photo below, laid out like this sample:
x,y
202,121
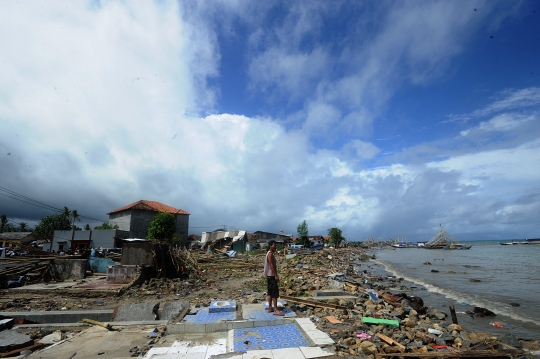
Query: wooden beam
x,y
312,303
390,341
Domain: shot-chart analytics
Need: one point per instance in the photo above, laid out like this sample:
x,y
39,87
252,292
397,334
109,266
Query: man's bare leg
x,y
276,310
270,308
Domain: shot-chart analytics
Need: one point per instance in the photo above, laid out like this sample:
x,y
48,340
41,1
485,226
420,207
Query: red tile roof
x,y
150,206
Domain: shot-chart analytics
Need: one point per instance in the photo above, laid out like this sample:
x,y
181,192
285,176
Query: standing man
x,y
272,279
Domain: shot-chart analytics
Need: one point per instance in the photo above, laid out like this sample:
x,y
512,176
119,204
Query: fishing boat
x,y
533,241
443,240
403,244
513,243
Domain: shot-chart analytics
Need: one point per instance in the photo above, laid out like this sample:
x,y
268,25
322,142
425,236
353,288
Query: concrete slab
x,y
11,340
170,309
287,353
316,352
258,354
48,286
52,338
61,316
137,311
97,342
6,323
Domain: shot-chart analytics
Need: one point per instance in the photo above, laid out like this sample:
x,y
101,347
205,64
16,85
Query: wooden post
x,y
453,314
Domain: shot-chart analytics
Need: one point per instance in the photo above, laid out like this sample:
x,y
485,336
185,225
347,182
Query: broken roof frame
x,y
442,238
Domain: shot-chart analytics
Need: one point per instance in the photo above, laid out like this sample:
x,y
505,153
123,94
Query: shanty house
x,y
136,218
262,238
15,239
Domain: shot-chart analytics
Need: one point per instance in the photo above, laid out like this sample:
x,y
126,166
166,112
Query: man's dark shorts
x,y
273,290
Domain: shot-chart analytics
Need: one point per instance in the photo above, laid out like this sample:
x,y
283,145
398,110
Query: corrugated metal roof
x,y
14,235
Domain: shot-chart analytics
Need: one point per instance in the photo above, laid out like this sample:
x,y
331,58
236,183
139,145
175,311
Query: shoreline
x,y
461,300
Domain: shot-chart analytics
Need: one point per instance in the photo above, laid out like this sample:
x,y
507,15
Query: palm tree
x,y
75,216
23,226
65,212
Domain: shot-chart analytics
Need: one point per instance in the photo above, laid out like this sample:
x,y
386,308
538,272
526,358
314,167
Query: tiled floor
x,y
204,317
187,350
272,337
257,312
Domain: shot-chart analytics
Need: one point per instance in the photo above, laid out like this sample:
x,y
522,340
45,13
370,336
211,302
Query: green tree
x,y
106,225
335,236
74,216
3,222
47,225
303,234
87,227
162,228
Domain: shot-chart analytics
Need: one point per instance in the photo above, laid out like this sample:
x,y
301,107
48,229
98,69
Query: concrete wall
x,y
137,253
80,235
60,238
140,221
121,219
122,274
70,268
103,238
182,225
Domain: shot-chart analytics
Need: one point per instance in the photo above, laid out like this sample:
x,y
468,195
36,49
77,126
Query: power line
x,y
19,197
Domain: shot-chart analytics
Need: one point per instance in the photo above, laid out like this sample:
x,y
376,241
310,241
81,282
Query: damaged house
x,y
222,239
136,217
262,238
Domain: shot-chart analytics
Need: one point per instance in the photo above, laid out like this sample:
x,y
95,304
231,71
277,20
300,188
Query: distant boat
x,y
513,243
404,245
443,240
533,241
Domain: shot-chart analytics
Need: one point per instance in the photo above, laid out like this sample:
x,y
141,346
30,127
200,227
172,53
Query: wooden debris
x,y
95,322
390,341
495,354
333,319
312,303
17,351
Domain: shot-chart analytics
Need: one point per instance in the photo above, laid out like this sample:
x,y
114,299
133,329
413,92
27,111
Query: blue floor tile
x,y
274,337
251,313
204,317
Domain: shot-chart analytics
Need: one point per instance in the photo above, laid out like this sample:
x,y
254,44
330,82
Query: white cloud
x,y
501,123
102,106
504,101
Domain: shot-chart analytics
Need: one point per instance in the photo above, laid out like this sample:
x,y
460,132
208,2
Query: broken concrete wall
x,y
70,268
137,253
122,274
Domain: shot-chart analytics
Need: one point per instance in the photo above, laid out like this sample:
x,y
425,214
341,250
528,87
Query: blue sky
x,y
384,118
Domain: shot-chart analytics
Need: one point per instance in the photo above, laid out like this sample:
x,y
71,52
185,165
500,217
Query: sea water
x,y
504,274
